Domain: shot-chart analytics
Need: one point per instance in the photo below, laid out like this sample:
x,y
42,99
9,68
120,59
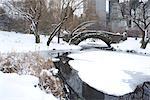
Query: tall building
x,y
117,22
101,9
96,8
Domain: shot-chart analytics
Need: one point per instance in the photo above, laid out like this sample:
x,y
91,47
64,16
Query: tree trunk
x,y
144,41
34,30
37,38
59,35
144,44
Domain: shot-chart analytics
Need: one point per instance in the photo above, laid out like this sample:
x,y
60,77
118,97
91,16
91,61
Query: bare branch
x,y
147,25
68,7
57,28
82,26
138,25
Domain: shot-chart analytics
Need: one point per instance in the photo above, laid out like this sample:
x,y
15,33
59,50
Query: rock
x,y
89,93
142,92
70,77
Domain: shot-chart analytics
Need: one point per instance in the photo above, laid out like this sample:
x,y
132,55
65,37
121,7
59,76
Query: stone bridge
x,y
107,37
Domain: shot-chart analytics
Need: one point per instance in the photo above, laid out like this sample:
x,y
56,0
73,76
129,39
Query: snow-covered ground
x,y
21,87
16,87
113,72
93,43
132,44
109,71
16,42
129,44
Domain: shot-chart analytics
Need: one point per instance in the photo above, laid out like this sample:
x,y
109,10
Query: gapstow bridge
x,y
107,37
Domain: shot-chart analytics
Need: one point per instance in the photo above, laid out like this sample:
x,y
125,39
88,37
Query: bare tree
x,y
31,11
138,13
67,9
141,18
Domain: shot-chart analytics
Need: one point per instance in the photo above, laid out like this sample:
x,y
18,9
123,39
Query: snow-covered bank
x,y
24,87
114,73
132,44
17,42
111,72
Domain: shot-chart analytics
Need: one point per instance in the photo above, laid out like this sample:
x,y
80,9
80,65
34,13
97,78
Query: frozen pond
x,y
112,72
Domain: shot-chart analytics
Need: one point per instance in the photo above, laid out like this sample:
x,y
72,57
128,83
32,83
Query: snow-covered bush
x,y
49,83
33,64
25,63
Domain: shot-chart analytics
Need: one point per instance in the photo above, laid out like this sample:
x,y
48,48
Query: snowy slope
x,y
16,42
15,87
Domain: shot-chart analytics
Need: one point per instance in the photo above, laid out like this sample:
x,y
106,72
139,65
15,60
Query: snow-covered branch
x,y
68,7
30,11
82,26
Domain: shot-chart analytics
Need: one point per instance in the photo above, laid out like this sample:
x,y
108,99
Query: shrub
x,y
33,64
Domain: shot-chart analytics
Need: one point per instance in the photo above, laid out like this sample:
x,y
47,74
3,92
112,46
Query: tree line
x,y
42,17
50,18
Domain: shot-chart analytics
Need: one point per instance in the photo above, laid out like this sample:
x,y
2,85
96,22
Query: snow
x,y
132,44
17,42
115,73
93,43
15,87
129,44
112,72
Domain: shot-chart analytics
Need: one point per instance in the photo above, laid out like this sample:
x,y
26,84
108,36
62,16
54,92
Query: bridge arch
x,y
76,40
107,37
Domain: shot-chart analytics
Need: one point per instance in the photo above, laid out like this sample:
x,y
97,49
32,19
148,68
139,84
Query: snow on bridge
x,y
107,37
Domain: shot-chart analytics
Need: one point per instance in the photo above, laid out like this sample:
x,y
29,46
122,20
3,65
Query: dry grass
x,y
33,64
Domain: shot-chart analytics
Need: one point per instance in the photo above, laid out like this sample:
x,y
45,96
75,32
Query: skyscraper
x,y
96,8
101,9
